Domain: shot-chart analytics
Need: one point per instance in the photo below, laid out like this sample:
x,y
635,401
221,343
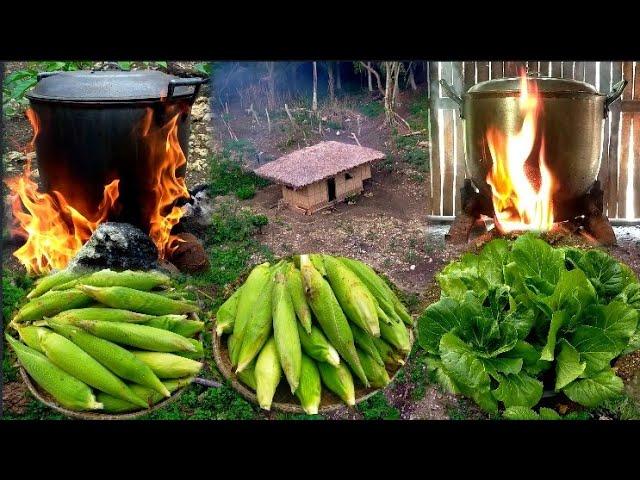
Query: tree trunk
x,y
314,101
412,77
338,77
331,82
369,79
271,84
388,109
396,83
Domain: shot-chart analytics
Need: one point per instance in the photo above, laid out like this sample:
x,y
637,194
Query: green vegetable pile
x,y
105,341
321,323
522,317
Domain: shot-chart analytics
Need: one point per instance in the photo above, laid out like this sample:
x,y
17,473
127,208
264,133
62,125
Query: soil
x,y
15,397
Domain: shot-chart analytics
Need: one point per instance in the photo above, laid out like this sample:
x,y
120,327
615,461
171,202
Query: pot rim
x,y
547,87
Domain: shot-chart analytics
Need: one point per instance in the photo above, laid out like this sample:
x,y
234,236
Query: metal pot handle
x,y
615,93
42,75
185,82
453,96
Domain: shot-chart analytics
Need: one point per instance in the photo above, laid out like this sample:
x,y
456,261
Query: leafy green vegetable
x,y
523,312
524,413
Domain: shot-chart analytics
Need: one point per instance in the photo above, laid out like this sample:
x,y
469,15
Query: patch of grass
x,y
15,287
461,411
298,416
242,148
377,407
332,124
227,176
371,109
624,408
35,411
417,373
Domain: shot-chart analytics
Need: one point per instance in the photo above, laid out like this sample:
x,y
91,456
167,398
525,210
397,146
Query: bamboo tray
x,y
283,400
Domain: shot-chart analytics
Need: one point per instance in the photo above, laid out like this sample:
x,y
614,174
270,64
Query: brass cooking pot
x,y
571,123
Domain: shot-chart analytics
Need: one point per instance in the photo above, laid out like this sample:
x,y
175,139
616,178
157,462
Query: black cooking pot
x,y
89,133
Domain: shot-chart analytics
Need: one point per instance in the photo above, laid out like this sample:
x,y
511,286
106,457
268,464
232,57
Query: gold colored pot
x,y
571,123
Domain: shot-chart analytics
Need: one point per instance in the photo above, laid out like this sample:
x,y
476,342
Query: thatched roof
x,y
312,164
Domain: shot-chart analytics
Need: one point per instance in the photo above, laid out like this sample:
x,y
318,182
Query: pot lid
x,y
547,85
106,86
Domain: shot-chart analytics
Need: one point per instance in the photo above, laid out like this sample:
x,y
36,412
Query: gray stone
x,y
119,246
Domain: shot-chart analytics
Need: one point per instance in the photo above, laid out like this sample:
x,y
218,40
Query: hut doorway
x,y
331,187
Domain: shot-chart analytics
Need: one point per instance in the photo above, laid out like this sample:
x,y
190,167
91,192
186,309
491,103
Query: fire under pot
x,y
532,155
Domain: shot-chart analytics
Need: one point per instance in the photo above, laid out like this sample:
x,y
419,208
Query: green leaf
x,y
521,319
438,319
518,390
548,414
568,365
630,295
572,293
594,391
441,376
162,65
617,319
461,363
491,261
498,365
557,321
457,278
595,347
538,262
608,276
520,413
125,65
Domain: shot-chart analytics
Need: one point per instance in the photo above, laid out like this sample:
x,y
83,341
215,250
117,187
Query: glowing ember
x,y
53,229
517,203
166,157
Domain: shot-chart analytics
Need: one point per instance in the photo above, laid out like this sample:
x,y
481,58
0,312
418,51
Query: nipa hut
x,y
315,177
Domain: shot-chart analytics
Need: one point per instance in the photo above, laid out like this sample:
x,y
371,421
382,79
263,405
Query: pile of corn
x,y
318,323
106,341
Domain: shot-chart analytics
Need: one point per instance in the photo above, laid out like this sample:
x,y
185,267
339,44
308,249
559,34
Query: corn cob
x,y
105,314
317,346
226,314
135,335
67,390
296,290
150,396
176,324
248,376
318,263
168,365
108,278
51,303
376,373
47,283
197,354
268,373
117,359
354,297
30,335
376,285
258,328
329,314
67,356
397,335
136,300
365,343
309,392
251,290
388,355
285,332
339,381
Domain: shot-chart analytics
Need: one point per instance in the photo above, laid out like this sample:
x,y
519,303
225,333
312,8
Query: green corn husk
x,y
136,335
309,391
253,286
387,353
136,300
248,376
339,381
30,335
329,314
397,335
354,297
285,332
317,346
268,373
150,396
50,304
67,356
318,262
226,314
168,365
296,290
177,324
365,342
105,315
117,359
258,327
67,390
376,373
232,347
137,280
197,354
383,317
47,283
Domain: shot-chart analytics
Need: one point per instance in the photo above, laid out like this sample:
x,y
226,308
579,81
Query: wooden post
x,y
434,95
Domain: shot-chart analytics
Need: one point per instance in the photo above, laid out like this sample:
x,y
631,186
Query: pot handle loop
x,y
615,93
185,82
453,95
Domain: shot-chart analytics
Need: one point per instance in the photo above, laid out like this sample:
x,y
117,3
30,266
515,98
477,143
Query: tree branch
x,y
375,74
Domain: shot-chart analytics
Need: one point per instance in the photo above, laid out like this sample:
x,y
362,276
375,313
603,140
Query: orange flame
x,y
517,204
167,157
